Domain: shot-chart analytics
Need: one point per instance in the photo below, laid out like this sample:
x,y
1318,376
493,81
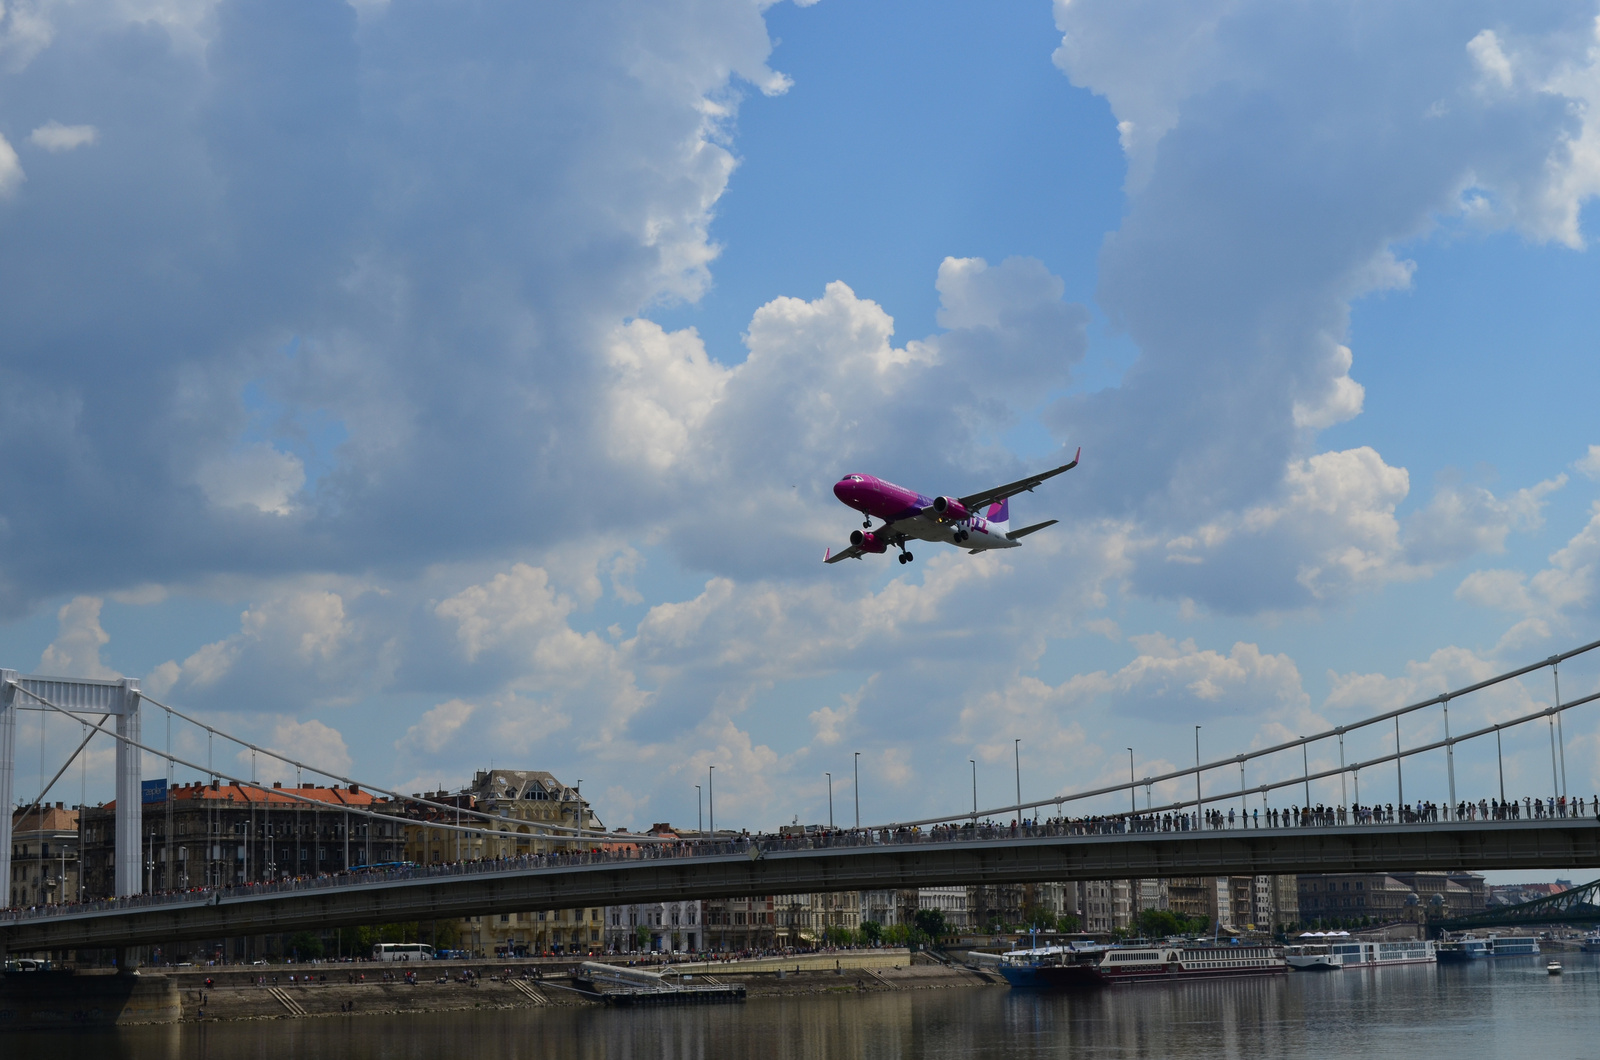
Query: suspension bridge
x,y
1217,832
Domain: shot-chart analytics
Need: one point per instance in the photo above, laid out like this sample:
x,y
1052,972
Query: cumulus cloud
x,y
1559,600
54,137
11,175
76,650
312,742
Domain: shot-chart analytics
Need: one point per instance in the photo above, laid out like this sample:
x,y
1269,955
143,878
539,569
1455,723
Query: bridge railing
x,y
621,848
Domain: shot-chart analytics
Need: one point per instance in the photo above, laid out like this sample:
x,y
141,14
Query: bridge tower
x,y
77,696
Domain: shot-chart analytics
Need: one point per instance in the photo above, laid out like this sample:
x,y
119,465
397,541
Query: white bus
x,y
402,951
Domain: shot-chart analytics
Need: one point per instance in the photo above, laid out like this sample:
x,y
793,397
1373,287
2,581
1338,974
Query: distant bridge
x,y
772,866
1576,905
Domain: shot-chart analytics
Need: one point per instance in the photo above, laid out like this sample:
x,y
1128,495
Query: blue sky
x,y
420,388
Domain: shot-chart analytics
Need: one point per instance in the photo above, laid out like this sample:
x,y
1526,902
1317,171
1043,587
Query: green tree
x,y
931,923
1067,923
871,932
304,946
641,937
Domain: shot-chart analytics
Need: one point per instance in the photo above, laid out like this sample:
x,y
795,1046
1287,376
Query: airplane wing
x,y
1025,531
975,501
850,553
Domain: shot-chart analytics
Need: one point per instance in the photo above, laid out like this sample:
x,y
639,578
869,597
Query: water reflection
x,y
1420,1013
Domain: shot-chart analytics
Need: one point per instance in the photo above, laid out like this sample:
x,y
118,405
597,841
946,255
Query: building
x,y
1517,893
950,901
738,924
537,814
44,856
1388,896
1284,895
220,834
1187,896
1105,906
654,927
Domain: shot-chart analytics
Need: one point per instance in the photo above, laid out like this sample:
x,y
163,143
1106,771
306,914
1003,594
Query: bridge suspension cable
x,y
560,832
1443,699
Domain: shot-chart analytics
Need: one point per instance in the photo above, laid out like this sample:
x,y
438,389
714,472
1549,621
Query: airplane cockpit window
x,y
855,478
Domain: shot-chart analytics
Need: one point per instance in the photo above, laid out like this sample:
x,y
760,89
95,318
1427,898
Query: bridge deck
x,y
1569,843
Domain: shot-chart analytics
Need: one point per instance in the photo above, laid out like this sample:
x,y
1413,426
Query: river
x,y
1510,1009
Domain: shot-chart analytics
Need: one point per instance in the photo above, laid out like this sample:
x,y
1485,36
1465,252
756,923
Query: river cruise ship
x,y
1173,962
1472,948
1067,968
1346,954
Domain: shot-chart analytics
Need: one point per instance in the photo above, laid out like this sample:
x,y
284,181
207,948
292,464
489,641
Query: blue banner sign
x,y
153,790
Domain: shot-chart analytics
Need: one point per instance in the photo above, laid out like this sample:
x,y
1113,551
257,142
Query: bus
x,y
402,951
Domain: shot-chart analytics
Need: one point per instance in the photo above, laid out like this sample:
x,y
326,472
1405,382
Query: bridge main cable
x,y
414,800
1338,730
343,808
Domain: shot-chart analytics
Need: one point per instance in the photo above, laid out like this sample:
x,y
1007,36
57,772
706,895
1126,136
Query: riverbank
x,y
236,994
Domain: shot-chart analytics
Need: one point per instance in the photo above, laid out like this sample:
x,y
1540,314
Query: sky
x,y
419,388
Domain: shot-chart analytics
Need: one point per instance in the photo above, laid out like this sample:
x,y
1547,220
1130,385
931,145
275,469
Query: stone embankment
x,y
241,993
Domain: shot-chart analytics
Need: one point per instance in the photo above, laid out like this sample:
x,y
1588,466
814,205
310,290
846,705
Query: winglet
x,y
828,554
1075,457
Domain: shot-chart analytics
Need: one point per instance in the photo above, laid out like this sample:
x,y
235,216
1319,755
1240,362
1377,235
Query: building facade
x,y
535,814
223,834
1388,896
44,856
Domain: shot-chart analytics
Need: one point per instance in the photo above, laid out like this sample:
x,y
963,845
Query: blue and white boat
x,y
1472,948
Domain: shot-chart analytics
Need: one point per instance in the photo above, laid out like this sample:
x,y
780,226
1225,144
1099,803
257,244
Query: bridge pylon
x,y
75,697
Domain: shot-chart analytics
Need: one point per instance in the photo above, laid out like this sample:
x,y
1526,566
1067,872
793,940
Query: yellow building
x,y
528,805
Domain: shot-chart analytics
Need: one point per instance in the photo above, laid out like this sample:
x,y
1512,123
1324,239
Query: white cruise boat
x,y
1358,953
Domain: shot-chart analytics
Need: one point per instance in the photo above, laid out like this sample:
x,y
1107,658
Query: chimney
x,y
355,789
277,783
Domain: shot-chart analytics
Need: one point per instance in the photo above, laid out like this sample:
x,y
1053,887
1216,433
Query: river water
x,y
1508,1009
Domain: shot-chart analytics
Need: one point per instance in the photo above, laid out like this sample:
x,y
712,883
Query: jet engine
x,y
950,508
868,542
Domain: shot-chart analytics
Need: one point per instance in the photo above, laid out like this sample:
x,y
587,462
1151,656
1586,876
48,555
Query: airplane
x,y
907,514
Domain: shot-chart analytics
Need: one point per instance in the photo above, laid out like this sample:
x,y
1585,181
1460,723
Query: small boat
x,y
1553,968
1311,958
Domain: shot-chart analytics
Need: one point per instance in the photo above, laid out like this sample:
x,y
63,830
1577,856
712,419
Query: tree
x,y
1067,923
931,923
871,932
305,946
641,937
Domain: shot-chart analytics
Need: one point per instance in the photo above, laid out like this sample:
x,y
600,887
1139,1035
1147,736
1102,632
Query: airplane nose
x,y
844,489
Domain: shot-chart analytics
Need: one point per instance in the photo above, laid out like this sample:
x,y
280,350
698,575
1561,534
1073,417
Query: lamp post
x,y
974,762
711,799
830,800
1198,816
858,789
1017,750
700,811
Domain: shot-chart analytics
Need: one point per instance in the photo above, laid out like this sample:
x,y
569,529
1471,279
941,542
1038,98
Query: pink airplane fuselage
x,y
912,513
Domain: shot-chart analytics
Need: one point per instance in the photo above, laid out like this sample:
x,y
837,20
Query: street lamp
x,y
858,789
974,762
830,800
711,798
1017,749
699,811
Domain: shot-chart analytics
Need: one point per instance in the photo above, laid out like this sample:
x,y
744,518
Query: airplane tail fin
x,y
999,515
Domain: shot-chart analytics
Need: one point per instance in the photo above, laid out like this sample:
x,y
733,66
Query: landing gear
x,y
961,535
866,524
906,557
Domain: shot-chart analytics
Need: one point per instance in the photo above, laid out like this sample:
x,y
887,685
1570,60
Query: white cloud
x,y
76,650
54,137
1561,599
311,742
1589,464
11,175
437,727
1490,58
259,477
